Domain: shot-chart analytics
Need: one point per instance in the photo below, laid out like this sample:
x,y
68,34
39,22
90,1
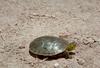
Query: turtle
x,y
51,46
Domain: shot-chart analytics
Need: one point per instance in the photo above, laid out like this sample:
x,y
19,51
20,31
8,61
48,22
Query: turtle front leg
x,y
67,55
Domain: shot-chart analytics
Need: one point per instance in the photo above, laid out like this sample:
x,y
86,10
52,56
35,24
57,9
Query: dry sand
x,y
23,20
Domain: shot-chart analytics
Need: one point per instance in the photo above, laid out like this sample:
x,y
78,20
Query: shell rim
x,y
46,54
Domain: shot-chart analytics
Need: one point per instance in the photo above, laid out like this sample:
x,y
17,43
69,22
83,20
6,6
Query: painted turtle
x,y
50,46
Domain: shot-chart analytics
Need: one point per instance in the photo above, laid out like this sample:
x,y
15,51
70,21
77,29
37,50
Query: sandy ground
x,y
23,20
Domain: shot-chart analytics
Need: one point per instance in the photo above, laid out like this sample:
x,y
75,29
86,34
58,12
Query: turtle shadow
x,y
49,58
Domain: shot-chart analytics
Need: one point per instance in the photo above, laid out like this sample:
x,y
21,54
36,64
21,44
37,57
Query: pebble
x,y
56,65
88,40
80,61
21,47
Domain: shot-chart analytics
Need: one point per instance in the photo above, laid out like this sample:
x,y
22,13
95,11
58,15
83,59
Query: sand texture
x,y
21,21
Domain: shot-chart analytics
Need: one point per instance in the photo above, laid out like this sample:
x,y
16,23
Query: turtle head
x,y
71,46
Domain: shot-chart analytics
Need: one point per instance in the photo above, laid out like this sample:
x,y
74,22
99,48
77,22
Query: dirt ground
x,y
23,20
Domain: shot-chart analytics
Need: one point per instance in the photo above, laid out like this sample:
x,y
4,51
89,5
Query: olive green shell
x,y
48,46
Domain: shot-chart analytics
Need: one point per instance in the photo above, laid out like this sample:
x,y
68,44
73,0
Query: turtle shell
x,y
48,46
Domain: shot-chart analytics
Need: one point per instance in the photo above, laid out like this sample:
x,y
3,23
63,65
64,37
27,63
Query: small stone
x,y
56,65
21,47
88,40
80,61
